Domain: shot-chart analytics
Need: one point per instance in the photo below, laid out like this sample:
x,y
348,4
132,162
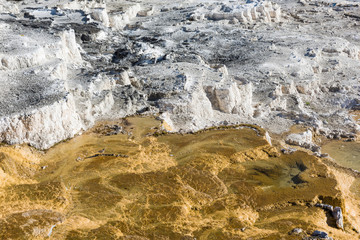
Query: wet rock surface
x,y
196,63
64,65
335,212
320,235
225,183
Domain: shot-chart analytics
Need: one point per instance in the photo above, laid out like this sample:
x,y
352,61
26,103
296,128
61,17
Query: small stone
x,y
317,154
288,150
320,234
296,231
325,206
102,150
85,38
324,155
338,216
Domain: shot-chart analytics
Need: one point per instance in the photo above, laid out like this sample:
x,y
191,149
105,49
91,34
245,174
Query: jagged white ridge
x,y
258,11
55,121
8,7
44,127
118,20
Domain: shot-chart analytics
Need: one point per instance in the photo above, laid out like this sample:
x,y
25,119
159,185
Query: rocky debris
x,y
325,206
324,155
336,213
120,54
196,63
321,155
114,130
354,104
255,11
338,216
303,140
108,155
340,134
320,235
288,150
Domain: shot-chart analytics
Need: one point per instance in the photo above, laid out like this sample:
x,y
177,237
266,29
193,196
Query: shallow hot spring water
x,y
347,154
215,184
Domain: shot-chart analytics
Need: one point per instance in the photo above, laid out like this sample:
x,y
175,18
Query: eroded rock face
x,y
252,12
35,101
304,140
197,63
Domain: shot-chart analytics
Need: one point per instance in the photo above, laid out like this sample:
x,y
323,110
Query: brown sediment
x,y
227,183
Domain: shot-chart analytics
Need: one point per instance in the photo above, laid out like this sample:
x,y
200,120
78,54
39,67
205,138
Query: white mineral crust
x,y
66,64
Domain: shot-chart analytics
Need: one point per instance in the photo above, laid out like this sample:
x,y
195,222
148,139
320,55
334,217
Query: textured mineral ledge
x,y
66,64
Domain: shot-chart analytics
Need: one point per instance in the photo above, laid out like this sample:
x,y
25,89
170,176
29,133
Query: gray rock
x,y
320,235
288,150
303,140
325,206
336,213
338,216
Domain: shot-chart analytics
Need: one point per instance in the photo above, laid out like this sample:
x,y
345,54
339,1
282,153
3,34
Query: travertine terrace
x,y
238,105
67,64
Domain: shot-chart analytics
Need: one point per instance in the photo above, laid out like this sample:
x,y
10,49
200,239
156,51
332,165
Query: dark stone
x,y
120,54
28,15
354,104
320,234
154,96
334,89
85,38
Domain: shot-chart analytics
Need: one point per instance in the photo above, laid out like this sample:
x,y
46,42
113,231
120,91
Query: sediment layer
x,y
119,181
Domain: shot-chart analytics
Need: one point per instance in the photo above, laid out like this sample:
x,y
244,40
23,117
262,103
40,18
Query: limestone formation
x,y
303,140
195,63
68,65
